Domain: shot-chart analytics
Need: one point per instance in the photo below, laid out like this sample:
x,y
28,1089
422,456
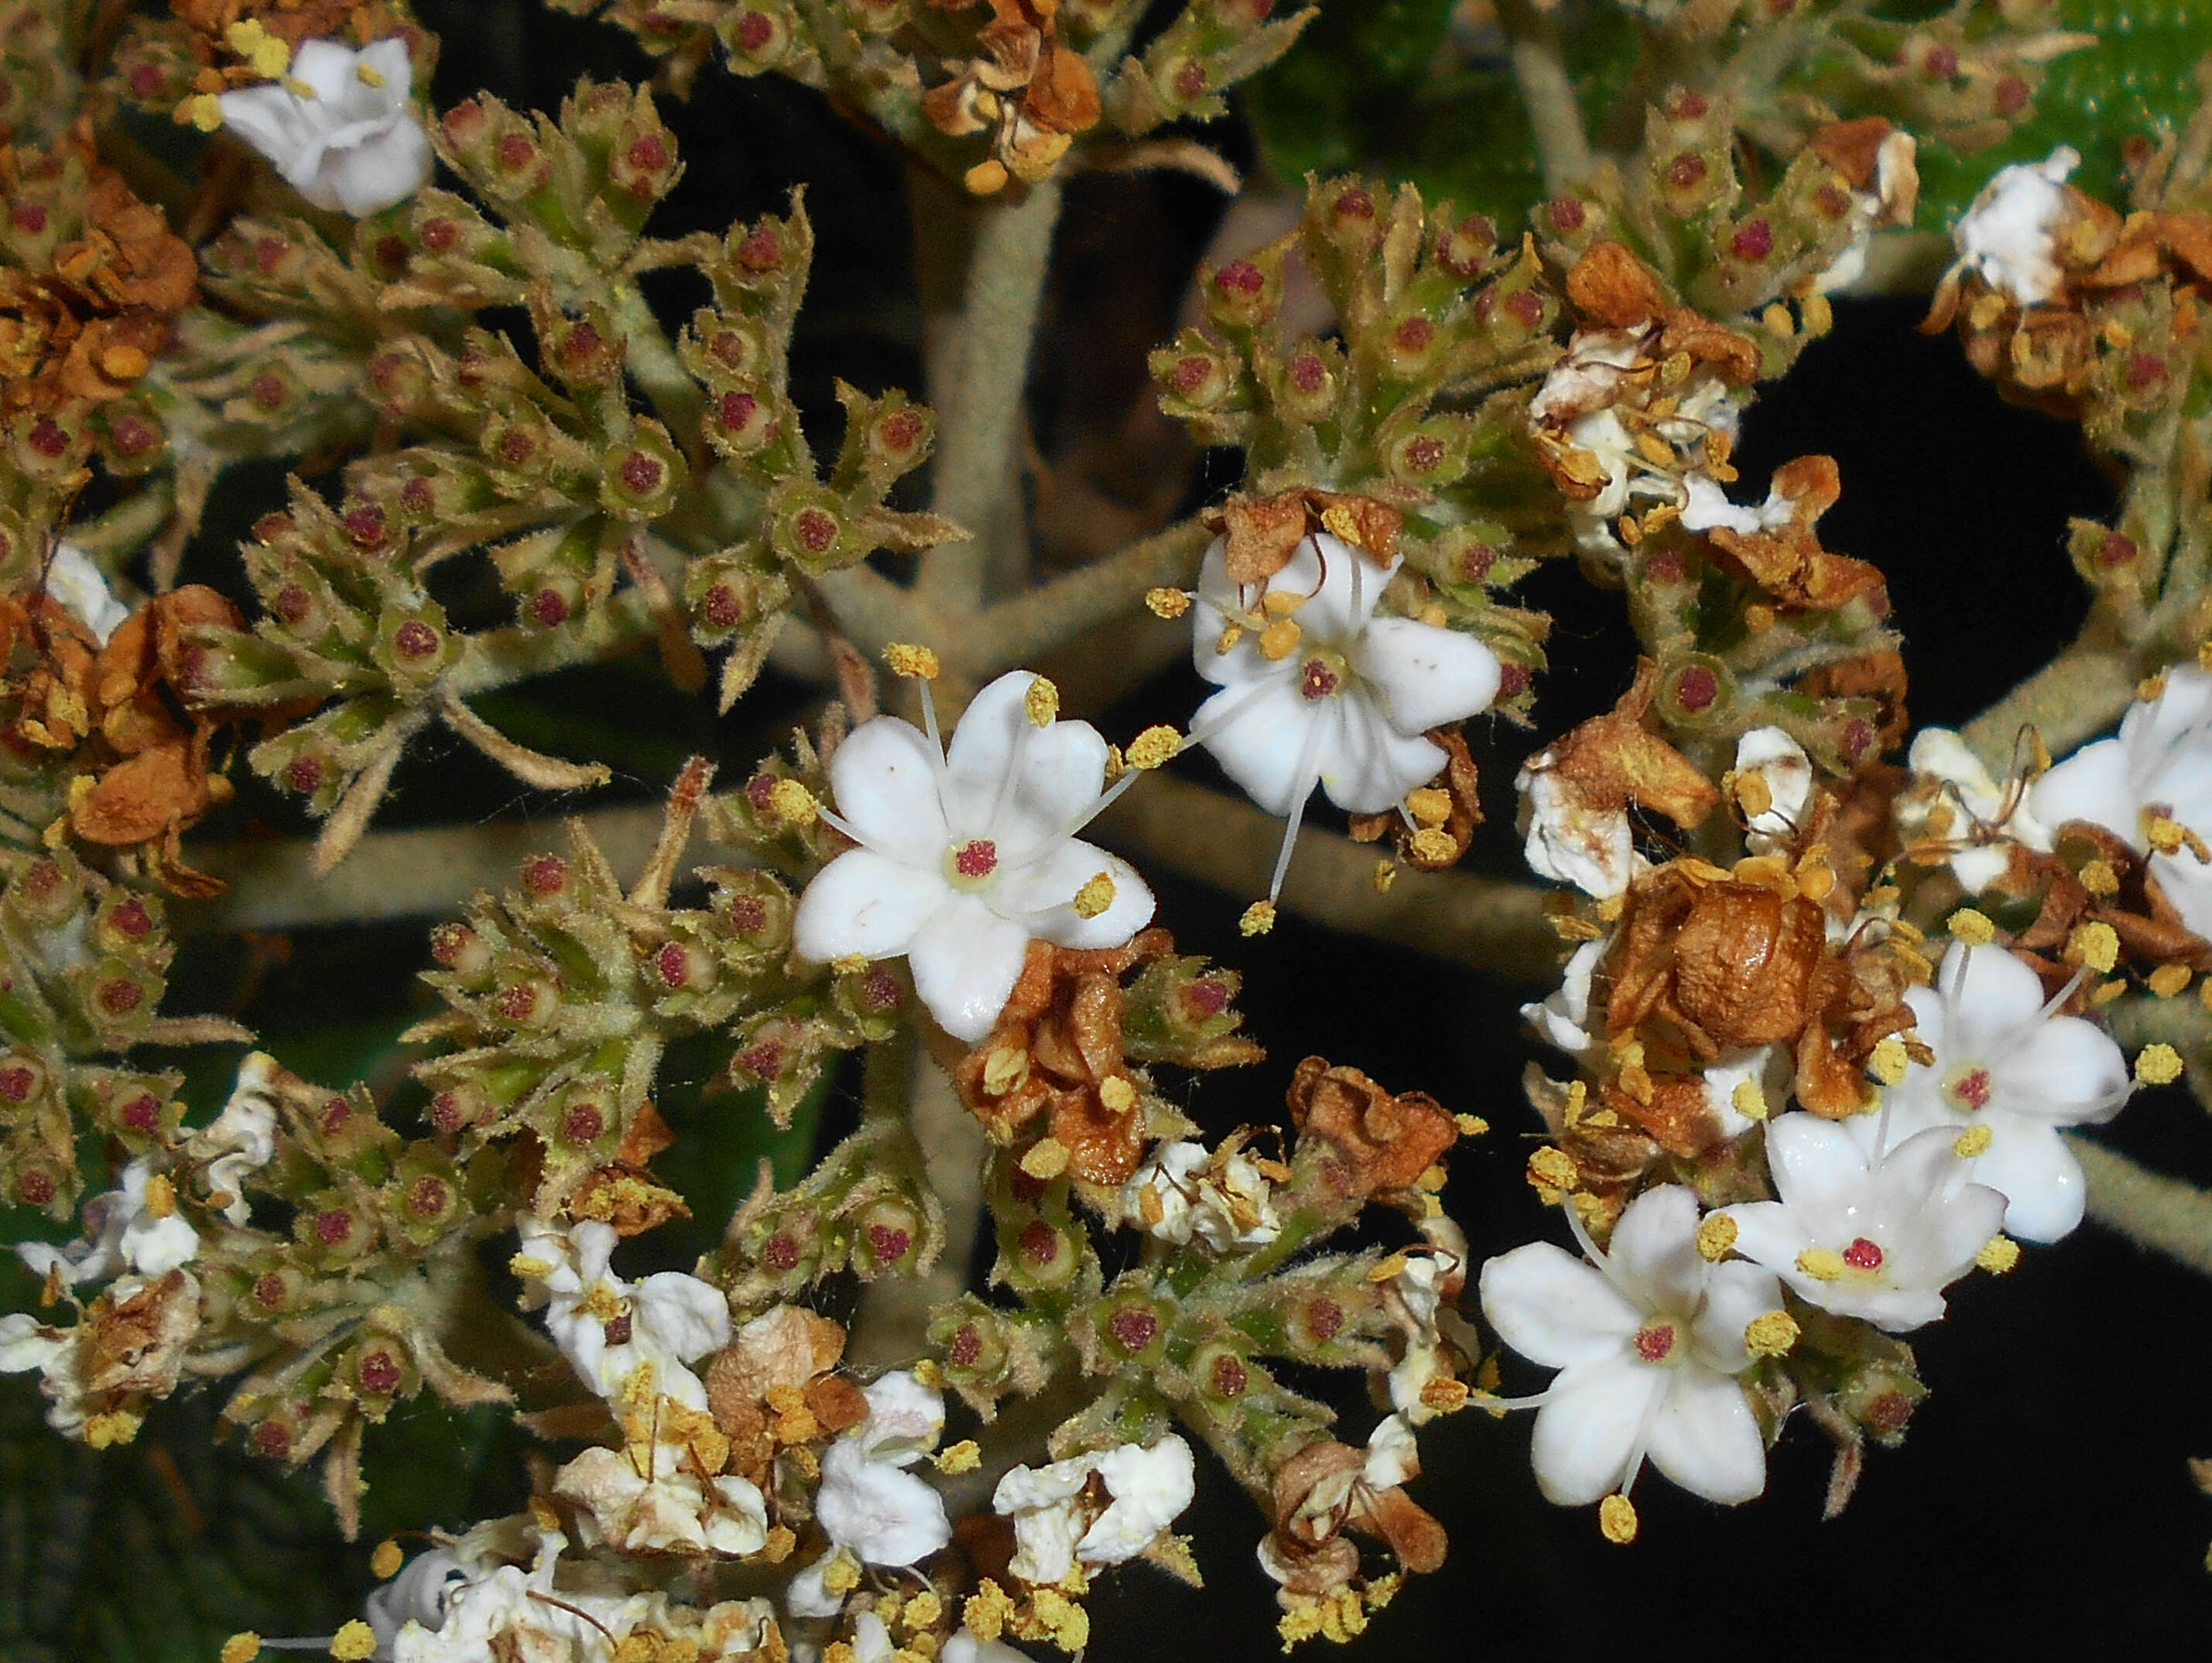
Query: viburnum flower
x,y
609,1328
242,1138
1316,689
1648,1340
2152,786
136,1229
968,853
668,1508
1187,1192
509,1610
1949,775
2006,1060
1059,1519
1772,767
1877,1239
80,587
868,1505
339,126
2008,235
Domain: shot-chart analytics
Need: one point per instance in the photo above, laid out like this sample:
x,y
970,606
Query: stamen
x,y
1308,777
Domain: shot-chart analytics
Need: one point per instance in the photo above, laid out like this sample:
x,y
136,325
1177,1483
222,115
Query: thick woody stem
x,y
977,350
1539,68
2151,1209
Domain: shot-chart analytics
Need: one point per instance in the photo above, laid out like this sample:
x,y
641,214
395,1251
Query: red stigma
x,y
1864,1255
978,858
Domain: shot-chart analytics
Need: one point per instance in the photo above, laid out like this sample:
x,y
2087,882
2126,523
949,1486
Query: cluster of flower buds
x,y
39,85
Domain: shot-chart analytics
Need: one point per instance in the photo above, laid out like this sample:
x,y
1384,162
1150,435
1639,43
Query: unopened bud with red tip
x,y
1243,293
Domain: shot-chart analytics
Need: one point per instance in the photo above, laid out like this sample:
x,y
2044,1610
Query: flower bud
x,y
413,644
1307,381
808,527
739,423
757,34
886,1237
640,476
1696,692
1133,1330
1242,294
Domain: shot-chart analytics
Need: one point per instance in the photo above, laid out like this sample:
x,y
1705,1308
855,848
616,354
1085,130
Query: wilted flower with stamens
x,y
2152,785
1877,1239
2009,234
1316,689
1950,779
968,853
242,1140
136,1229
1058,1522
869,1506
1649,1338
609,1328
1185,1192
339,126
2005,1060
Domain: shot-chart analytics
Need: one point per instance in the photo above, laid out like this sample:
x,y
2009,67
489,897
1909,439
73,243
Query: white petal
x,y
904,1419
885,779
388,58
1040,895
1769,1232
2092,784
1586,1430
270,120
1367,765
1553,1308
1818,1168
687,1315
2067,1069
1151,1488
1988,992
2186,880
2043,1189
1425,675
1260,747
1705,1439
1056,771
866,905
881,1514
1653,1253
1734,1294
326,66
965,962
388,166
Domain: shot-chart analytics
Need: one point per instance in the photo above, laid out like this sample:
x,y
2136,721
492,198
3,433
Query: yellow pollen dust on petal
x,y
2097,945
907,659
1154,746
1386,874
368,75
1888,1061
1616,1520
1998,1254
354,1643
1971,927
384,1563
963,1457
2158,1065
1770,1335
161,1196
793,803
1045,1159
1167,603
1094,897
1042,702
1259,918
241,1648
1715,1237
1117,1094
1749,1100
1821,1263
1974,1140
1279,640
2168,980
1434,846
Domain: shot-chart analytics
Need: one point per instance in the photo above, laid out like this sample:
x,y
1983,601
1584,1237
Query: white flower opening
x,y
608,1328
968,851
1317,690
136,1230
1648,1340
1059,1521
871,1507
2008,233
339,126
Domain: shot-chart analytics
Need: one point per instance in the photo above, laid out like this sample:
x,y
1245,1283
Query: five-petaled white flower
x,y
1877,1239
2158,770
609,1328
2008,233
967,854
1647,1340
136,1229
2006,1060
337,126
1340,697
868,1505
1058,1522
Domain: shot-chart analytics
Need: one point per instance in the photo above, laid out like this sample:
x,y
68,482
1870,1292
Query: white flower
x,y
965,1648
80,587
2009,233
868,1506
904,1420
419,1594
668,1511
1784,774
1948,773
609,1328
2004,1060
2158,767
1648,1342
1057,1522
339,127
242,1140
1896,193
509,1612
1347,701
1866,1238
129,1229
1185,1192
964,857
1563,1019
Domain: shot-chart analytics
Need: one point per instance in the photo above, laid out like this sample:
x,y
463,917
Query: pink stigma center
x,y
1971,1089
977,857
1655,1341
1864,1255
1317,680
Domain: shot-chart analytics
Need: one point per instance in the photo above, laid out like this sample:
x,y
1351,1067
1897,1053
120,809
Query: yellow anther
x,y
1117,1094
1341,524
1715,1237
354,1643
985,1611
1154,746
906,659
368,75
961,1457
1279,640
1772,1335
1552,1167
1006,1069
842,1575
1231,634
1167,603
1971,927
1998,1254
2158,1065
245,35
1819,317
1117,764
1094,897
793,803
1986,310
924,1608
1386,874
1281,603
1259,918
985,178
1042,702
1777,322
1821,1263
1430,807
1749,1100
385,1563
2098,878
1470,1125
241,1648
530,1267
117,1426
1045,1159
2097,945
2168,980
1974,1140
161,1196
927,1373
2151,688
300,90
1616,1520
1889,1060
1434,848
203,110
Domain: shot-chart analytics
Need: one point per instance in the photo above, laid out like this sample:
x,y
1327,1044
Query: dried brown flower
x,y
1263,533
1375,1143
1790,563
1032,93
1430,846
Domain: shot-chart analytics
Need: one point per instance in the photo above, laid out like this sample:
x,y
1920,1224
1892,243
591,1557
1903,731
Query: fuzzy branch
x,y
2151,1209
1539,68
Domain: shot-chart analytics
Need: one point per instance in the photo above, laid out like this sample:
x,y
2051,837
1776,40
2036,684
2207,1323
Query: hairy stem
x,y
2076,696
1540,68
1023,629
653,363
2151,1209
